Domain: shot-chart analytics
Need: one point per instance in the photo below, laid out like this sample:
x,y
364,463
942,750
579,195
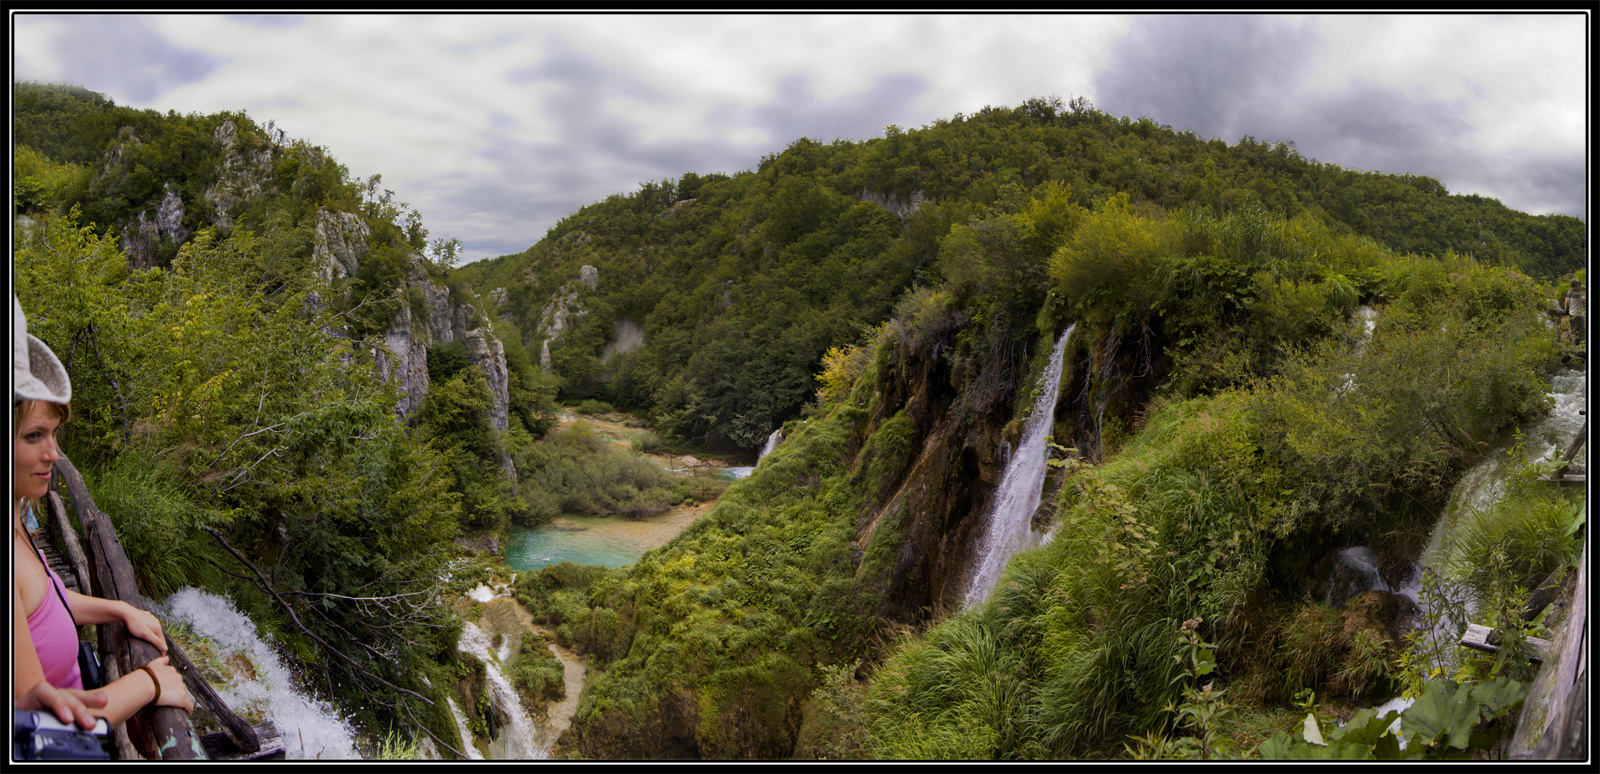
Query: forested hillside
x,y
262,346
741,283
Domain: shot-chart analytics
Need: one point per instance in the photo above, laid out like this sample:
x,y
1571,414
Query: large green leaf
x,y
1364,727
1443,714
1499,697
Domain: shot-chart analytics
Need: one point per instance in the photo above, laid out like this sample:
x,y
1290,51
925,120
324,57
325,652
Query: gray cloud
x,y
126,55
1231,76
595,143
798,113
1203,73
271,20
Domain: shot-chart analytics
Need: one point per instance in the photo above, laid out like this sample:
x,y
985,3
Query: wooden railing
x,y
103,570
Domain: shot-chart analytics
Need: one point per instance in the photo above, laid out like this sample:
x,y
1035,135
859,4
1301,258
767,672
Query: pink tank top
x,y
55,637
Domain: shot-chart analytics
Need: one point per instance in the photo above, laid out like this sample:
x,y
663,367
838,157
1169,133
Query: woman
x,y
45,646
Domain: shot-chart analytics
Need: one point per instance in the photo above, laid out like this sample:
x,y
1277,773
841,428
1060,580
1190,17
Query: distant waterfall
x,y
772,443
1362,560
260,685
1010,524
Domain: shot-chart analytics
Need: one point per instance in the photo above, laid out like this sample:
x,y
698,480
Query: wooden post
x,y
173,734
1574,658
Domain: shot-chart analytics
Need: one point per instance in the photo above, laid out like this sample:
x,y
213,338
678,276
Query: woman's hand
x,y
173,692
68,704
144,625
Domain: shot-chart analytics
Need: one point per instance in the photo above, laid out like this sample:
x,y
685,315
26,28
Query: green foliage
x,y
157,517
38,184
839,718
535,671
1448,721
454,420
575,471
767,571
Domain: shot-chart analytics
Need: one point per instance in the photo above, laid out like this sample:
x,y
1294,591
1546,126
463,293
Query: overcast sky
x,y
495,127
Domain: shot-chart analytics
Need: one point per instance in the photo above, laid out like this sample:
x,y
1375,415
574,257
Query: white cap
x,y
36,374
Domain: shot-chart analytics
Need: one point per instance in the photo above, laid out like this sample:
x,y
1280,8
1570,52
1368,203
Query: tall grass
x,y
158,522
1530,526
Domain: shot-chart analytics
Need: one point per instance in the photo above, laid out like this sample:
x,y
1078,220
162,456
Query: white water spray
x,y
1010,527
772,443
312,729
466,731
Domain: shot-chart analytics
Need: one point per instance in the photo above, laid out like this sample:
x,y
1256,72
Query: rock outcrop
x,y
241,177
563,310
141,240
341,243
901,208
404,357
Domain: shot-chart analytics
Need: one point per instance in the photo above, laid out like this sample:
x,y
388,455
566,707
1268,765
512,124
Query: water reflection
x,y
603,540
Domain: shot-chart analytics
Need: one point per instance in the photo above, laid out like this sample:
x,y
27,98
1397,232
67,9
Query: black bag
x,y
89,666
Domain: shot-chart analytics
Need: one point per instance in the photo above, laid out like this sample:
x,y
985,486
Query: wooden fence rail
x,y
163,733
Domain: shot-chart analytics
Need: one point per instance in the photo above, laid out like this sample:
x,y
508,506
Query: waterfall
x,y
1481,488
1010,523
1362,560
466,731
1369,320
772,443
261,687
517,740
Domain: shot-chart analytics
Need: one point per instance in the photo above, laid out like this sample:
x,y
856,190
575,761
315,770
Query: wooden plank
x,y
1479,637
1566,479
171,736
1566,729
219,747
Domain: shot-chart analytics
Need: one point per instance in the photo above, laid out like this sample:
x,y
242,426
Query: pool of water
x,y
602,540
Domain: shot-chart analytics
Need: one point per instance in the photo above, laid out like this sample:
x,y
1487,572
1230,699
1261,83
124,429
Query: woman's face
x,y
34,451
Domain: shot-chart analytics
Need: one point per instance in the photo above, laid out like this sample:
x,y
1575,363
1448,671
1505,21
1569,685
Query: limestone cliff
x,y
441,320
563,310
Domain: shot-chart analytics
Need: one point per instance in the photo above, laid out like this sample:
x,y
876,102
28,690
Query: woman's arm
x,y
134,690
140,623
122,698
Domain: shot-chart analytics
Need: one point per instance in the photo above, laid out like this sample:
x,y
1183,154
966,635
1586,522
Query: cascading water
x,y
1482,486
261,687
517,740
1362,560
466,731
1010,525
772,443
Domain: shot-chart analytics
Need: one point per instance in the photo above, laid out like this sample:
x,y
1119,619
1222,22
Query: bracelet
x,y
154,679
